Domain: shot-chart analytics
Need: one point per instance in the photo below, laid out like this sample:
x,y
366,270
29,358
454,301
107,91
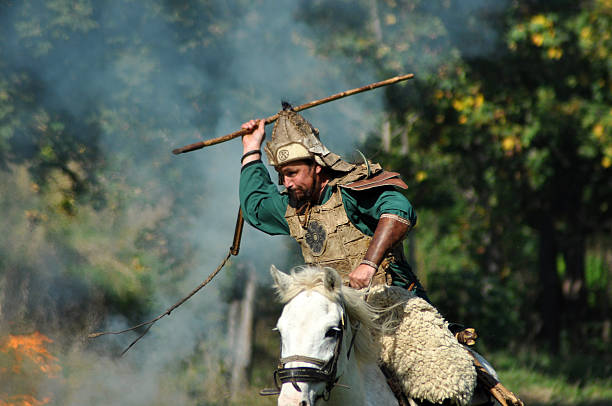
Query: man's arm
x,y
262,205
395,219
251,142
391,230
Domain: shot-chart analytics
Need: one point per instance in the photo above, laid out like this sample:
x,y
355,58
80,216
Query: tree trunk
x,y
232,326
549,297
376,26
573,287
14,295
405,148
242,340
386,134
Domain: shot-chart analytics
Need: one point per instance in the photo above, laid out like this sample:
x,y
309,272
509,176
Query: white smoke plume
x,y
85,65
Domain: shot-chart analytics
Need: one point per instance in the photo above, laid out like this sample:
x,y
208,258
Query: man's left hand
x,y
361,276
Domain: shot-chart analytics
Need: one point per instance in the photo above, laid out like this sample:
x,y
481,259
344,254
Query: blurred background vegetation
x,y
504,138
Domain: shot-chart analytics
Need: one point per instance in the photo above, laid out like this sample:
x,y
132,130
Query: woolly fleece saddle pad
x,y
426,358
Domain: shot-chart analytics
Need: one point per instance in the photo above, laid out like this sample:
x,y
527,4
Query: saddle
x,y
422,359
419,349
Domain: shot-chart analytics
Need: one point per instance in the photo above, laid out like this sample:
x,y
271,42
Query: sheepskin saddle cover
x,y
420,349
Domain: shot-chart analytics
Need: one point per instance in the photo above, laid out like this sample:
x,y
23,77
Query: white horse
x,y
318,340
328,354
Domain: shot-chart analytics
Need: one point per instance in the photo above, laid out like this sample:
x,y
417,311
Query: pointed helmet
x,y
294,138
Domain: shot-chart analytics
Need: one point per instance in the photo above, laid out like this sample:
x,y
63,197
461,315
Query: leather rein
x,y
325,371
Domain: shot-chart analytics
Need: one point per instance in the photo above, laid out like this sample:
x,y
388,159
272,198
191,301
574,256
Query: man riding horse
x,y
346,216
349,217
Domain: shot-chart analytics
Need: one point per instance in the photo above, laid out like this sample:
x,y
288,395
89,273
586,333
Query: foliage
x,y
506,136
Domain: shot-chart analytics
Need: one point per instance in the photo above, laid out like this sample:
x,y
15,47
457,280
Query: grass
x,y
541,379
538,379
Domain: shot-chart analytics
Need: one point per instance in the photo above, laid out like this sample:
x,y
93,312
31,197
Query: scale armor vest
x,y
330,239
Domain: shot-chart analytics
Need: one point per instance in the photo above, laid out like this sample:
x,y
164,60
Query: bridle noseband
x,y
324,372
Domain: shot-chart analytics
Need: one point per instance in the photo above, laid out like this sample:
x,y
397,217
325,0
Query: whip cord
x,y
150,323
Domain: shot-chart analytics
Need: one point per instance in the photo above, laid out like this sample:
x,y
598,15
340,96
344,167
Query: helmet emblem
x,y
283,154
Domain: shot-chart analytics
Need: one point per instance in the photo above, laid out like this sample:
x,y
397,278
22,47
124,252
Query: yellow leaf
x,y
537,39
598,130
421,176
585,33
462,119
390,19
540,19
458,105
479,100
555,53
508,143
606,162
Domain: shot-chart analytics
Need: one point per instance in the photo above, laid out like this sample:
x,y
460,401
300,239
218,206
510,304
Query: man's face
x,y
301,178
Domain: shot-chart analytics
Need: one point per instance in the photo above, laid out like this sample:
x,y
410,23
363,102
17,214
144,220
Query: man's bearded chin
x,y
306,197
296,202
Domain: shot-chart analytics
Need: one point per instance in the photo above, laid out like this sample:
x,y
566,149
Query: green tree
x,y
505,134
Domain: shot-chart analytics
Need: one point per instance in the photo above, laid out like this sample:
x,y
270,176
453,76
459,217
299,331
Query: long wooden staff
x,y
271,119
235,248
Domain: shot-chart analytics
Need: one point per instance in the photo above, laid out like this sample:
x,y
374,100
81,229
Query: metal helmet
x,y
293,138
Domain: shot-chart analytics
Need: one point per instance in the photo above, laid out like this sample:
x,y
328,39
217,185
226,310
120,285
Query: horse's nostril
x,y
303,403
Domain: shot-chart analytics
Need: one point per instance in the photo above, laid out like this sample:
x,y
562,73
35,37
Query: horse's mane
x,y
313,279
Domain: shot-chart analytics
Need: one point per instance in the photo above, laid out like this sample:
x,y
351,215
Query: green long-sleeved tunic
x,y
264,207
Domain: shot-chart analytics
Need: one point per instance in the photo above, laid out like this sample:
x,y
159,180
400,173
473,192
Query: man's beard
x,y
307,196
297,202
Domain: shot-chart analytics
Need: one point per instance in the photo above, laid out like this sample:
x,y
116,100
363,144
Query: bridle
x,y
325,371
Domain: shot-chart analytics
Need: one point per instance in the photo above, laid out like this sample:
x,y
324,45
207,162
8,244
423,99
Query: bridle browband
x,y
325,371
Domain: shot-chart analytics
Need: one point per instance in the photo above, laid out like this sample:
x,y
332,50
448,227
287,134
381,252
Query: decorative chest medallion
x,y
315,237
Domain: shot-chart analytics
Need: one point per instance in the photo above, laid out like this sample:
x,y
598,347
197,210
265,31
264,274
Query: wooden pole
x,y
271,119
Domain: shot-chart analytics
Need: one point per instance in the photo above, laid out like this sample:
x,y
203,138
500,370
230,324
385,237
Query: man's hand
x,y
252,141
361,276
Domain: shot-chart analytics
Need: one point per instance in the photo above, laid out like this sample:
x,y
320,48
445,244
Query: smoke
x,y
131,81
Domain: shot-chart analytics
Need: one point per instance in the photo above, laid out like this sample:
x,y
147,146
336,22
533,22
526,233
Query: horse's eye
x,y
332,332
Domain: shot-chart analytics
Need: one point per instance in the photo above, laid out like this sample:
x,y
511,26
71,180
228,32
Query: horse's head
x,y
316,335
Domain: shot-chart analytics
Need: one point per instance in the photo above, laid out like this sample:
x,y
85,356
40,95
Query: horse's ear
x,y
281,279
331,279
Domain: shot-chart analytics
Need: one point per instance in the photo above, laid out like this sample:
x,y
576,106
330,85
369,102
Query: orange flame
x,y
24,400
33,347
25,351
